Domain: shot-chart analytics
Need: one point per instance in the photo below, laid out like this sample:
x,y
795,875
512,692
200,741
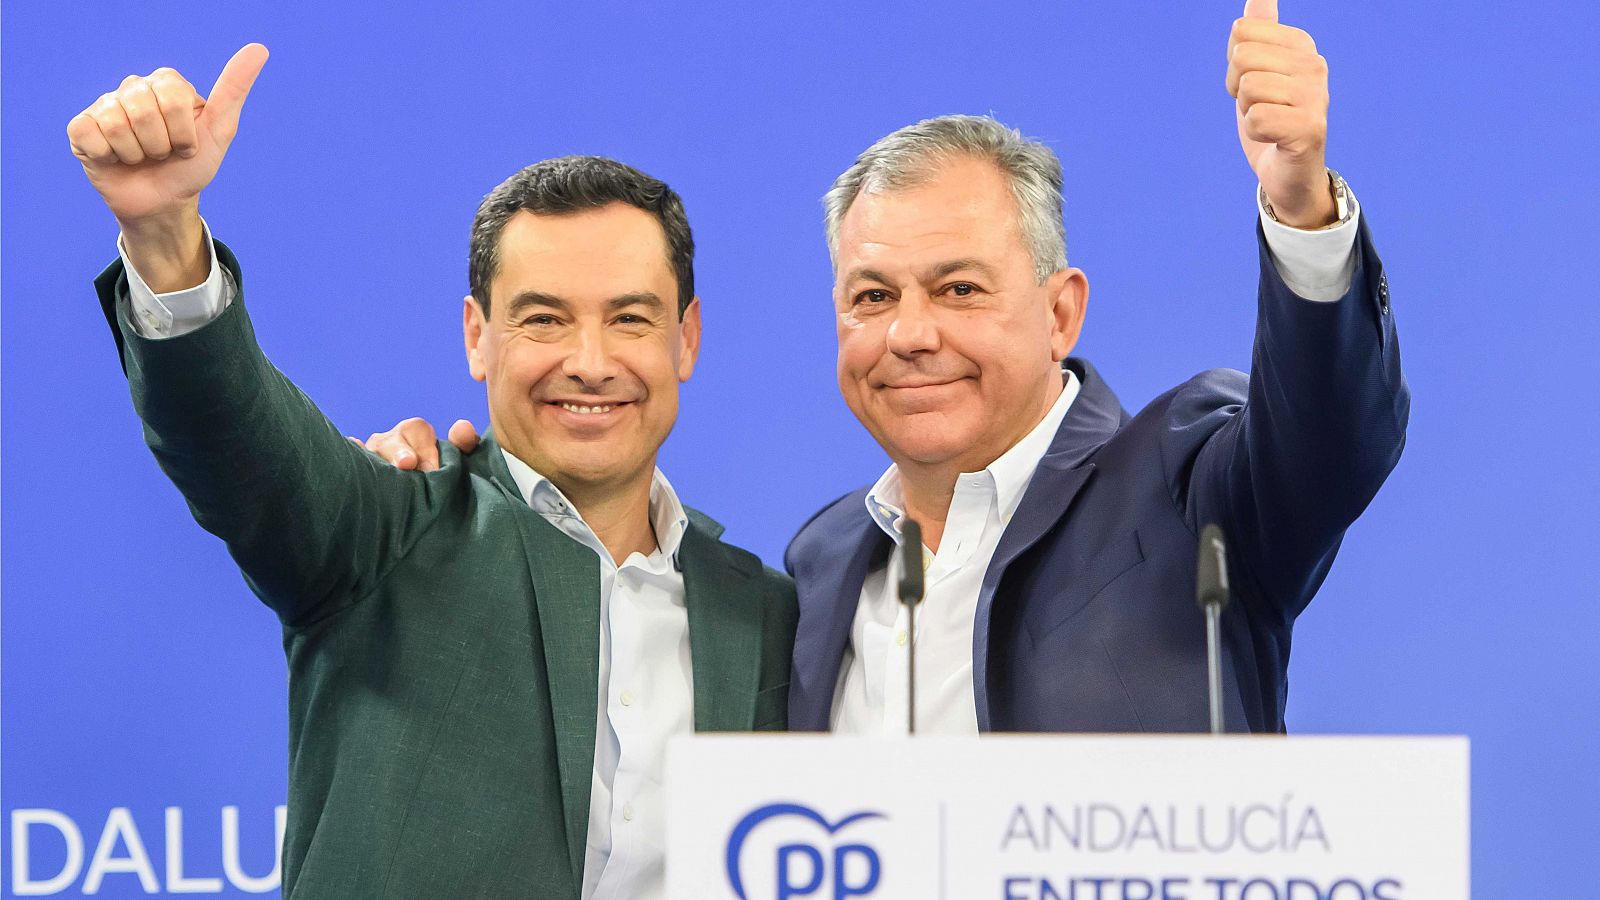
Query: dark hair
x,y
571,184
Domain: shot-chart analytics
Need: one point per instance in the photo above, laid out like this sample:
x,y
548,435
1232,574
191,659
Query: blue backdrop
x,y
141,675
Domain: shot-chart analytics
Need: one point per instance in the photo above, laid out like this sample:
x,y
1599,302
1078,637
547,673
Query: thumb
x,y
464,436
233,85
1253,9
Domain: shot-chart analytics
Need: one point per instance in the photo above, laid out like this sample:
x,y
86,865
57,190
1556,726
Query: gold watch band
x,y
1341,200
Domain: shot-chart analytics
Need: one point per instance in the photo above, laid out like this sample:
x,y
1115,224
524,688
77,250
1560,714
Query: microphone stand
x,y
911,591
1211,585
1213,666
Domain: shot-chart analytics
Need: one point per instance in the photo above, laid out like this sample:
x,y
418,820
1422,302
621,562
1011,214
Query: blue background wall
x,y
139,672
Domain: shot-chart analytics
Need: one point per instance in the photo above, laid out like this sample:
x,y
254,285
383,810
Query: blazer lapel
x,y
566,585
828,600
724,631
1062,472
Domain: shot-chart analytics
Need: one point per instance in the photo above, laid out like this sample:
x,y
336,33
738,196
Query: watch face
x,y
1341,196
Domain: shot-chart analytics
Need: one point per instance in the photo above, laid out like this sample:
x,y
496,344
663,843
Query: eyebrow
x,y
525,299
956,265
932,273
867,275
647,299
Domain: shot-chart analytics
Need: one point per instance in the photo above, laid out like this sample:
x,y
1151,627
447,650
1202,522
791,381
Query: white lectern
x,y
1067,818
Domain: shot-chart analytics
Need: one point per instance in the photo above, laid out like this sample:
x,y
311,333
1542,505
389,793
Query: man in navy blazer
x,y
1060,531
1086,620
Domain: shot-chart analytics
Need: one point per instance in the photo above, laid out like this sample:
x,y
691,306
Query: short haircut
x,y
572,184
913,154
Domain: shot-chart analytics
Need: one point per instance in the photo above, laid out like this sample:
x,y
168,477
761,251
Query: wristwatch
x,y
1343,204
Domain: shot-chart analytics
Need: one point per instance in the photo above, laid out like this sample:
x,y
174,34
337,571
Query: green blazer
x,y
442,637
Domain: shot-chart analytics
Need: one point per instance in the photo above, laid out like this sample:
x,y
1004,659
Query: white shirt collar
x,y
1010,473
666,512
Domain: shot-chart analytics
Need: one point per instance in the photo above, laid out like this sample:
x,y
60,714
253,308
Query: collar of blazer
x,y
1063,471
723,603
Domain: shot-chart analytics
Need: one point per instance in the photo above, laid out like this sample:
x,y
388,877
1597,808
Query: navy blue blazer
x,y
1086,620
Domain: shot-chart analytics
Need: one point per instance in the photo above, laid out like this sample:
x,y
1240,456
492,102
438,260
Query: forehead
x,y
965,209
615,249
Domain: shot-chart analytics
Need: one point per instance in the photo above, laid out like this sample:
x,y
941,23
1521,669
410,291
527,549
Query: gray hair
x,y
911,155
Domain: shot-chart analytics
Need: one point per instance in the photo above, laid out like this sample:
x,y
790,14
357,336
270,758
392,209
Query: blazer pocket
x,y
772,708
1116,559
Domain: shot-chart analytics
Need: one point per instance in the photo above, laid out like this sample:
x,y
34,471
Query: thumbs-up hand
x,y
1281,84
152,145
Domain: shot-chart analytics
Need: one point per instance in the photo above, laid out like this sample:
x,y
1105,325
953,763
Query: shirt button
x,y
627,812
899,638
627,698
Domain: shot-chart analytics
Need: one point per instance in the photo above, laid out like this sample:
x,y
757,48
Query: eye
x,y
963,289
543,320
872,297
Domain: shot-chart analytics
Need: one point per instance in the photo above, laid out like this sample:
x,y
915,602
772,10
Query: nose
x,y
590,361
913,330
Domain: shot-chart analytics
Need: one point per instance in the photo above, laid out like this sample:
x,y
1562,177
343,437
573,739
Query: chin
x,y
587,470
928,449
926,435
589,473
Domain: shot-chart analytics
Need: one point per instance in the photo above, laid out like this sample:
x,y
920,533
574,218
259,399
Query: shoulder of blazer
x,y
844,511
830,506
742,561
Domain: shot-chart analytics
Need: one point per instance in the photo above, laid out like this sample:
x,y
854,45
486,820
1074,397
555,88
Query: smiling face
x,y
583,349
949,348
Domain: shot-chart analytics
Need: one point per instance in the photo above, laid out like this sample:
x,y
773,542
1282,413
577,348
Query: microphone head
x,y
910,562
1211,582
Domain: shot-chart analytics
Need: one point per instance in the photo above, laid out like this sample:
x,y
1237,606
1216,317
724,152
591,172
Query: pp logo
x,y
801,854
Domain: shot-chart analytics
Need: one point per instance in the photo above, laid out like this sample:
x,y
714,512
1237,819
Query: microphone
x,y
911,590
1211,592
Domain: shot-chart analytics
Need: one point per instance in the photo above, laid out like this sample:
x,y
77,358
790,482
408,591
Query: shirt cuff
x,y
177,313
1317,265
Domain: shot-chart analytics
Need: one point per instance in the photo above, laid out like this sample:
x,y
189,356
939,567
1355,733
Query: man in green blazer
x,y
485,660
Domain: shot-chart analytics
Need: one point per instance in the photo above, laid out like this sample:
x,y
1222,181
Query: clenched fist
x,y
1281,84
150,147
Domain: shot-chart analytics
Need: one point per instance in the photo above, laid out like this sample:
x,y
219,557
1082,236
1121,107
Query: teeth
x,y
585,410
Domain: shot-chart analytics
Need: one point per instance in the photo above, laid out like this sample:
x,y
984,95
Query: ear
x,y
689,339
474,326
1069,301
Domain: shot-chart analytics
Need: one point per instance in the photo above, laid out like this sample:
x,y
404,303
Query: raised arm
x,y
1325,409
314,522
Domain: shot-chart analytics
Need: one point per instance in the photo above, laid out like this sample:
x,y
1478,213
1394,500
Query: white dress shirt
x,y
646,690
646,681
871,696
